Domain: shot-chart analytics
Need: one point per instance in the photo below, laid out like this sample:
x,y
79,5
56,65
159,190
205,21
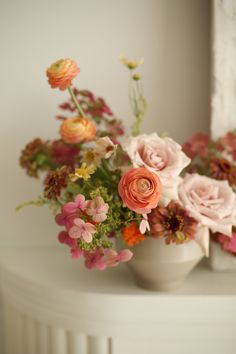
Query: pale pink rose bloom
x,y
94,259
162,156
211,202
82,229
144,225
113,258
104,147
98,209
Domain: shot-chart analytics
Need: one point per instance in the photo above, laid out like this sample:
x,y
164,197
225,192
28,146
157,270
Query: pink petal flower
x,y
64,237
125,255
94,259
144,225
75,253
79,203
82,229
98,209
113,258
228,243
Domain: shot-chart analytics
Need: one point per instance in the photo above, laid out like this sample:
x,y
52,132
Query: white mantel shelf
x,y
55,306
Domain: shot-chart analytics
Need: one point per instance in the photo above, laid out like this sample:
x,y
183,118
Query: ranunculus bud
x,y
61,73
77,130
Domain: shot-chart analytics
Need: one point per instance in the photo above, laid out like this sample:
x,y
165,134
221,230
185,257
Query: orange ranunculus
x,y
132,235
77,130
140,190
61,73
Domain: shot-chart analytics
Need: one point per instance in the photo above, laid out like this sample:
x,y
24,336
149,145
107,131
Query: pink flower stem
x,y
74,99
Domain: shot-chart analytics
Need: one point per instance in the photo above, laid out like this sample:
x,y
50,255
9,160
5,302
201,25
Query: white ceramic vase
x,y
160,267
220,260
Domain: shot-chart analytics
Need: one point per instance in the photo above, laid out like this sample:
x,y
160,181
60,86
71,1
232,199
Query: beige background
x,y
172,36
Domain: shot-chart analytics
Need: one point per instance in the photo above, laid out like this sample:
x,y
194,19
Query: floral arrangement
x,y
103,186
215,159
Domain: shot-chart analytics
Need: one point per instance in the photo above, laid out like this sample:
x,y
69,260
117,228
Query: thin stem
x,y
74,99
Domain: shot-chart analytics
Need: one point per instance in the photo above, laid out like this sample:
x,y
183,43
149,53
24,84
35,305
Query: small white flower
x,y
104,147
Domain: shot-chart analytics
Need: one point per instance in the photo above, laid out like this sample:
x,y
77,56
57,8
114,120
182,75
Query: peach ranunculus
x,y
162,156
209,201
61,73
77,130
140,190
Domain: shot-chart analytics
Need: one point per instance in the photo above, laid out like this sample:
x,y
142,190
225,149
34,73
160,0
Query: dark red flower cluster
x,y
33,157
64,154
56,181
222,169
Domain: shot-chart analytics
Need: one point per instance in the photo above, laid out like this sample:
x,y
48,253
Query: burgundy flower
x,y
197,145
228,143
56,181
33,157
172,222
222,169
63,153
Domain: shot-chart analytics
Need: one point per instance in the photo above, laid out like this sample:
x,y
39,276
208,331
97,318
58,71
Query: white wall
x,y
172,36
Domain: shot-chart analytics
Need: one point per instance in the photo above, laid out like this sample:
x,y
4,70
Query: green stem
x,y
74,99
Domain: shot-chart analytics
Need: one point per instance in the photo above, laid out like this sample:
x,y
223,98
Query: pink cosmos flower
x,y
98,209
113,258
94,259
82,229
63,237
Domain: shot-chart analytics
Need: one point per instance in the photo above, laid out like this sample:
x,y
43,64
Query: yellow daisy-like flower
x,y
91,158
83,172
130,63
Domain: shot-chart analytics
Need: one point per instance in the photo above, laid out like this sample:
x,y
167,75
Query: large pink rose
x,y
210,201
140,190
162,156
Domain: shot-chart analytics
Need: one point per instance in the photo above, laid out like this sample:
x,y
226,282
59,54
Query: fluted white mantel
x,y
223,67
55,306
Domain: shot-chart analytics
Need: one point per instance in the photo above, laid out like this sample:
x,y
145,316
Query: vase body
x,y
221,260
160,267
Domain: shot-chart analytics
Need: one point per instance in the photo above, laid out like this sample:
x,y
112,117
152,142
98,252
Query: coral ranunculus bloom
x,y
140,190
77,130
61,73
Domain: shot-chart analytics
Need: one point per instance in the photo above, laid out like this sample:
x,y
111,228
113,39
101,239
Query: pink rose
x,y
140,190
211,202
162,156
